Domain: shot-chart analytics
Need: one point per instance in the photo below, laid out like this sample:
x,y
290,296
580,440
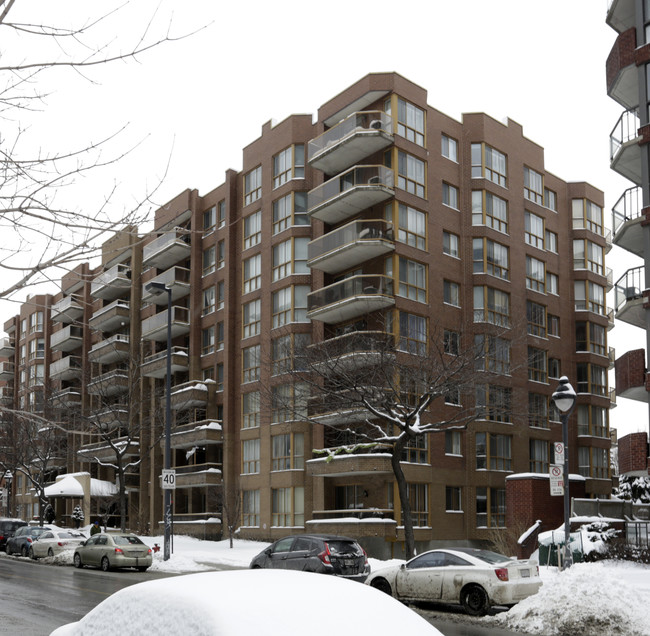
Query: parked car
x,y
320,553
7,529
24,538
54,542
113,551
477,579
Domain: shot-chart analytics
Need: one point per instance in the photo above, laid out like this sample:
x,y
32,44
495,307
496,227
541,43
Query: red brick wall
x,y
633,453
630,370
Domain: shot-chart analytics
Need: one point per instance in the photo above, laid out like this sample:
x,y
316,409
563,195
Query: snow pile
x,y
606,597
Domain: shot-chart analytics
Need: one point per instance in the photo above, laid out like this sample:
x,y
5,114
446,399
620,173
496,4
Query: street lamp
x,y
565,399
8,479
156,289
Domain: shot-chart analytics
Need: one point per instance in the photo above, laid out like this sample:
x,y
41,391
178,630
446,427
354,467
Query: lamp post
x,y
8,479
157,289
565,399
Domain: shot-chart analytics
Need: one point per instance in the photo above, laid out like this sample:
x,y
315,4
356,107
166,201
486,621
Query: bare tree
x,y
227,499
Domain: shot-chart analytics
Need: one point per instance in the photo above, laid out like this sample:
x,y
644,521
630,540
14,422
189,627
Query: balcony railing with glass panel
x,y
67,339
627,215
167,250
358,136
67,398
349,193
6,395
625,151
198,475
112,283
337,410
204,433
103,451
351,298
189,395
155,366
111,417
109,383
350,245
66,368
155,327
353,350
110,350
68,309
112,316
7,348
176,278
628,297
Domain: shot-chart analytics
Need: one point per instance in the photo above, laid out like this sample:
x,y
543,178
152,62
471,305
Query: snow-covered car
x,y
54,542
237,602
24,538
113,551
477,579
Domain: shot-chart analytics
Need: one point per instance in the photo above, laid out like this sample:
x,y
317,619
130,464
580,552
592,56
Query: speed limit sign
x,y
168,479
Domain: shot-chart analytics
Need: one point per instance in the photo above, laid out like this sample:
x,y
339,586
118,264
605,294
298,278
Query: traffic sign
x,y
556,479
558,447
168,479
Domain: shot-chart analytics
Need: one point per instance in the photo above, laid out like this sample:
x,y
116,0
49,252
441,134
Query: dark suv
x,y
316,553
7,529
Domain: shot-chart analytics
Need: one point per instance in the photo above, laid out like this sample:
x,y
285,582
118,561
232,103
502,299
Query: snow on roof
x,y
69,486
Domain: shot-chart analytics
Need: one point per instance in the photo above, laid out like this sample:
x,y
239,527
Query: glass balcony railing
x,y
67,339
625,151
625,130
66,368
167,249
68,309
111,283
628,297
175,278
155,327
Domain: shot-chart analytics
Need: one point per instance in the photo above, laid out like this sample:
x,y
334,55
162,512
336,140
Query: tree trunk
x,y
122,496
407,517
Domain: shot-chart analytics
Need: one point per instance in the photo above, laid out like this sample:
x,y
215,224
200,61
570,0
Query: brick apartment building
x,y
383,211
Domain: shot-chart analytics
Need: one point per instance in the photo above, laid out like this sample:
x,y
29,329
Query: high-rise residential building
x,y
383,218
628,83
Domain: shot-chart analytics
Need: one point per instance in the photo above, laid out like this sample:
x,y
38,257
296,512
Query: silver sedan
x,y
113,551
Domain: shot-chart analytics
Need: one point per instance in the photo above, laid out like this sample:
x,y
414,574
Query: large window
x,y
588,255
209,220
490,210
591,378
250,409
489,163
537,365
290,305
451,293
251,508
593,462
494,402
492,354
410,120
450,244
253,185
533,186
208,302
209,260
490,507
288,451
536,317
491,305
453,499
412,280
540,451
288,506
252,272
450,195
491,258
252,229
591,337
207,340
411,174
593,420
418,495
587,215
589,296
288,352
449,148
538,410
250,456
534,230
416,450
251,314
289,164
411,225
493,451
412,333
289,211
535,274
251,364
453,443
289,402
290,257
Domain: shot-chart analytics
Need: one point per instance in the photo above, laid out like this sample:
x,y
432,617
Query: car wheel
x,y
383,586
143,568
106,566
50,552
24,551
474,600
77,560
31,553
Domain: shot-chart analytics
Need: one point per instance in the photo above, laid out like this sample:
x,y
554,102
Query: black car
x,y
7,529
23,539
320,553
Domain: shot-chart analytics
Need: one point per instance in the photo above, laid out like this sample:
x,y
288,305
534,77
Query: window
x,y
452,396
416,450
288,451
290,305
252,272
488,163
410,121
288,506
490,507
453,502
535,274
552,283
288,352
587,215
491,258
551,241
221,254
207,341
540,450
219,379
591,378
418,495
451,293
252,229
591,337
251,363
536,317
411,174
534,230
537,410
588,255
492,354
491,305
412,226
453,444
220,335
593,462
221,294
533,186
289,164
36,348
251,314
554,368
251,508
450,244
349,497
493,451
290,257
537,365
550,199
250,409
553,325
289,211
494,402
208,302
209,260
450,195
209,220
36,322
451,342
592,420
490,210
412,280
289,402
412,333
250,456
449,148
589,296
253,185
221,214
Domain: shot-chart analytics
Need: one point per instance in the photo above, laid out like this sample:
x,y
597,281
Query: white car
x,y
477,579
53,542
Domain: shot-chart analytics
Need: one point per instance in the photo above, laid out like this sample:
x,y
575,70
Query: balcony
x,y
112,283
67,398
6,395
628,298
369,522
345,465
203,433
351,298
358,136
622,72
354,350
111,317
621,15
67,368
155,366
167,250
103,451
627,218
350,245
198,475
67,339
349,193
345,409
111,417
176,278
110,383
625,151
68,309
111,350
7,348
155,327
631,376
189,395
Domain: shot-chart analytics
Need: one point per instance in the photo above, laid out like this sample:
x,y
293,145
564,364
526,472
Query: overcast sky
x,y
198,102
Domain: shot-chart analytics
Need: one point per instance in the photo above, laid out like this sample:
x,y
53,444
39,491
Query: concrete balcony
x,y
112,283
198,475
111,417
625,151
110,383
621,15
351,298
155,366
67,368
155,327
110,350
358,136
6,395
67,398
113,316
176,278
189,395
7,348
345,465
350,245
627,218
339,411
167,250
629,298
204,433
349,193
622,71
67,339
354,350
632,380
103,451
362,522
68,309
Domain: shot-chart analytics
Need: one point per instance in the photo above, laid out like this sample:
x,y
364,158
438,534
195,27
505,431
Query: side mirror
x,y
402,566
268,552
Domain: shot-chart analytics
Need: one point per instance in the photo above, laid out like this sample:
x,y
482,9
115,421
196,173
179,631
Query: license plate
x,y
524,574
348,563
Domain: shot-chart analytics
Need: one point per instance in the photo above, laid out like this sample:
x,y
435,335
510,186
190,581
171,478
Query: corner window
x,y
253,185
252,229
289,164
411,174
489,163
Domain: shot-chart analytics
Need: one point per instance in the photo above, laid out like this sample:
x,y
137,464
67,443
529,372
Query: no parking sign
x,y
556,478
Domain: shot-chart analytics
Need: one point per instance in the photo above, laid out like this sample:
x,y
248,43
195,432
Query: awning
x,y
66,487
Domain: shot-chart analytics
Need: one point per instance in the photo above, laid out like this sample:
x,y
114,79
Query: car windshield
x,y
485,555
127,541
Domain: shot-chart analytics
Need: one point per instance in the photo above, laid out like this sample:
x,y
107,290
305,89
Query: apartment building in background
x,y
384,212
